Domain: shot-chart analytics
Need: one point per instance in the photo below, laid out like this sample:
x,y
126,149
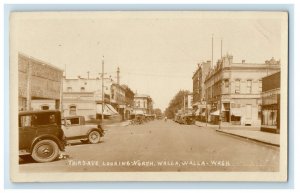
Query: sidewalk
x,y
259,136
247,132
118,124
228,126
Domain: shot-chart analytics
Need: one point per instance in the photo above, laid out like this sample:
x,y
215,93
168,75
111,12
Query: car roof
x,y
37,112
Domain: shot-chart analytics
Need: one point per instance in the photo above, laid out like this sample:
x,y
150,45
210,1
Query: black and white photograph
x,y
148,96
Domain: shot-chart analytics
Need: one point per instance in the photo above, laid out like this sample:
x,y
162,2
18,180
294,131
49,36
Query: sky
x,y
157,52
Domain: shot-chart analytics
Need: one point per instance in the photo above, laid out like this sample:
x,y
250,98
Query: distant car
x,y
188,119
40,135
74,127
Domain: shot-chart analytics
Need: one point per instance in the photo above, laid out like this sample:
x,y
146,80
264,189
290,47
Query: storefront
x,y
270,116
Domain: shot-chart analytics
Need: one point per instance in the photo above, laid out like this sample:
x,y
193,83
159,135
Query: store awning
x,y
112,108
197,112
216,113
236,112
107,110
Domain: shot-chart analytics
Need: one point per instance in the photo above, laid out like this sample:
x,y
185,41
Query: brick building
x,y
199,103
117,99
44,82
270,120
129,101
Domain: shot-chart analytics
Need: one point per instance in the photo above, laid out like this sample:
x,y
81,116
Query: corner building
x,y
233,90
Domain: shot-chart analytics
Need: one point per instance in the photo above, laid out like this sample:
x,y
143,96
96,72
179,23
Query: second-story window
x,y
237,86
69,89
226,82
82,89
249,86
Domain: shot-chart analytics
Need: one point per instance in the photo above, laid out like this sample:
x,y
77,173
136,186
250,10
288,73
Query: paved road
x,y
163,146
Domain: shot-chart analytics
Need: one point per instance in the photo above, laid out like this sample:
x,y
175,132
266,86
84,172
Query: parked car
x,y
40,135
74,127
188,119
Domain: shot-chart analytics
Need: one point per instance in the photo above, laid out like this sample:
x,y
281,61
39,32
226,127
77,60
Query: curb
x,y
249,138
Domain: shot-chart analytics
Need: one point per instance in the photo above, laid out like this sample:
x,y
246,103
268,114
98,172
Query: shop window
x,y
269,117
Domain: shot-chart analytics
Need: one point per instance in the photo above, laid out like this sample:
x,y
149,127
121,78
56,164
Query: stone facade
x,y
143,104
237,87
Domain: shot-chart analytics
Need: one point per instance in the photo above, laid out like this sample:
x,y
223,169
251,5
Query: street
x,y
162,146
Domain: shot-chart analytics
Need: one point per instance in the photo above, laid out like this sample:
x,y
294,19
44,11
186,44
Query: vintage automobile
x,y
188,119
40,135
74,127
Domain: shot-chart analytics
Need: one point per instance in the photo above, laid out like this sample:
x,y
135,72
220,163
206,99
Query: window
x,y
45,107
42,119
73,121
269,117
69,89
25,121
249,86
82,89
72,110
226,81
237,86
260,85
112,93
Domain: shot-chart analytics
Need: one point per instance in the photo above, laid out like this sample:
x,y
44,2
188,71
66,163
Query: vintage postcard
x,y
148,96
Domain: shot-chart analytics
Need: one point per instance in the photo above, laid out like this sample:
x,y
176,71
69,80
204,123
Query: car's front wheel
x,y
94,137
45,151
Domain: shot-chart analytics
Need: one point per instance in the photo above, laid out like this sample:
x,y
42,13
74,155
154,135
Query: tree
x,y
157,112
175,104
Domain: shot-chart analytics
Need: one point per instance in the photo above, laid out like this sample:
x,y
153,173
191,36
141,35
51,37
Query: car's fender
x,y
94,128
60,143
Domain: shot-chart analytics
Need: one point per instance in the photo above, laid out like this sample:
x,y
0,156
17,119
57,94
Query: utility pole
x,y
220,113
221,86
61,95
118,76
28,93
212,50
184,104
102,115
